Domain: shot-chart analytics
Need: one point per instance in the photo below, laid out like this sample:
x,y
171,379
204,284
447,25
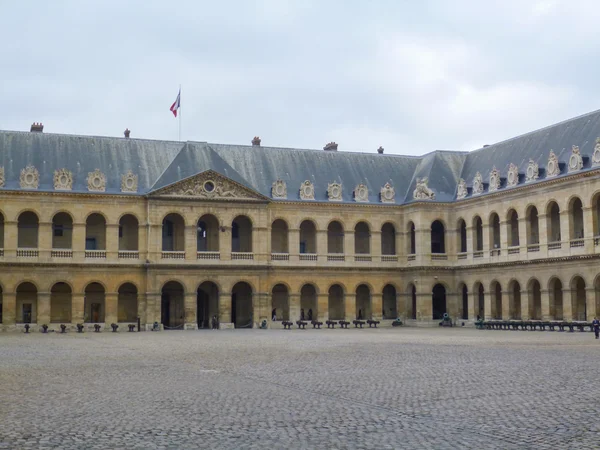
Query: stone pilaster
x,y
11,236
424,306
78,242
376,245
77,308
111,305
9,308
112,241
225,310
568,304
43,308
191,243
45,240
322,307
294,300
525,304
190,304
376,306
350,306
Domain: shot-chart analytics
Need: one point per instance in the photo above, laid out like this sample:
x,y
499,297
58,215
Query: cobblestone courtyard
x,y
389,388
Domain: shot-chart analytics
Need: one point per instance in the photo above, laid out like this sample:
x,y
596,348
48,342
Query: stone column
x,y
322,245
77,308
349,244
473,305
260,307
143,242
294,300
225,310
376,245
350,306
424,306
45,239
155,243
565,229
590,304
111,308
78,242
504,236
294,243
487,304
142,308
568,295
400,245
588,230
43,308
11,239
153,309
423,244
225,246
545,299
261,242
452,305
112,241
190,304
376,306
486,229
9,308
323,307
522,223
543,234
525,304
191,243
402,306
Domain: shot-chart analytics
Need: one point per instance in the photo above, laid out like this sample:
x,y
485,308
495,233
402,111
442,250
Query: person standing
x,y
302,314
274,314
596,326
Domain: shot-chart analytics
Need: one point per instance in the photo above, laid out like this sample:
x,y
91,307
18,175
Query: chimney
x,y
127,132
331,147
380,150
37,127
256,141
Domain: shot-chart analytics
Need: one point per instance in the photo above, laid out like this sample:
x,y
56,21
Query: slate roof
x,y
163,163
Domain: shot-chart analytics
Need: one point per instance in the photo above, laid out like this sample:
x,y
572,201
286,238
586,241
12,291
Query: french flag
x,y
175,106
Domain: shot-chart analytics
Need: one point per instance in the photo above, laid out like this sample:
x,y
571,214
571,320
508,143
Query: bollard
x,y
44,328
80,328
114,327
63,328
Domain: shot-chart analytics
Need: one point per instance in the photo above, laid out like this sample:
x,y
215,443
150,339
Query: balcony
x,y
462,255
533,248
95,254
61,253
411,257
1,252
172,255
247,256
439,257
478,254
514,250
362,258
28,253
280,256
577,243
336,257
208,255
129,254
308,256
389,258
495,252
554,245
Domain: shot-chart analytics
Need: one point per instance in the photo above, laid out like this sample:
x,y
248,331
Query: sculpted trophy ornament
x,y
96,181
494,180
512,178
387,193
63,180
461,190
477,184
575,160
1,176
307,191
129,182
361,193
552,168
279,189
334,192
596,154
30,178
533,171
422,192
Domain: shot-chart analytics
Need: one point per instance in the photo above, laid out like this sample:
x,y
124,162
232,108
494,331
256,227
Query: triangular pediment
x,y
209,185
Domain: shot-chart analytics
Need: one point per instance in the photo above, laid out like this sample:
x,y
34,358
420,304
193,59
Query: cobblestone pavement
x,y
389,388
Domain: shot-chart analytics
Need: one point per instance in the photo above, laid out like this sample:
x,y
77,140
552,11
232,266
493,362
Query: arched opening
x,y
388,239
207,303
95,232
513,228
0,304
173,234
462,236
411,307
362,239
478,234
335,238
279,237
514,304
241,235
576,219
172,309
388,302
363,302
336,302
62,231
28,226
553,223
596,313
308,237
27,303
412,240
308,302
438,237
535,300
578,299
280,298
464,303
438,300
556,299
533,230
480,305
207,234
241,305
94,303
496,292
595,215
128,233
1,231
127,303
495,231
60,303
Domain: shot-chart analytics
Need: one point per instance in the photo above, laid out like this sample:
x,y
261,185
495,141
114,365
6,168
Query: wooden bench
x,y
331,323
358,322
301,324
344,323
373,323
316,324
287,325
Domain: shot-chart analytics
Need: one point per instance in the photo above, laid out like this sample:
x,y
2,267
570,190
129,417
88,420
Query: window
x,y
90,243
120,231
58,230
302,246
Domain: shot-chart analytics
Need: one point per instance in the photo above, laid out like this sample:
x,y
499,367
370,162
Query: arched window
x,y
95,232
533,232
94,303
438,299
496,292
388,239
335,238
362,239
207,234
514,305
478,234
576,222
28,226
127,303
128,233
172,310
513,228
279,237
438,237
62,231
241,235
495,231
553,225
173,233
308,237
60,303
412,240
462,236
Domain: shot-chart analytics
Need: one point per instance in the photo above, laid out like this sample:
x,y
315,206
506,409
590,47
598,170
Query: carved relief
x,y
1,176
361,193
512,178
30,178
63,180
96,181
575,160
129,182
422,192
494,180
596,154
461,191
307,191
477,184
334,192
552,168
533,171
279,189
387,193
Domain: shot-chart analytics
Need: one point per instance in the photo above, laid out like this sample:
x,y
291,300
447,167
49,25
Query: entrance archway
x,y
556,299
280,300
308,302
336,302
411,307
390,310
480,303
438,301
26,303
535,300
172,311
241,305
94,303
496,293
60,303
363,302
514,305
127,303
578,299
465,303
207,303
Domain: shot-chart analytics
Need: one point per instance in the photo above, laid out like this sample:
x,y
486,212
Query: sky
x,y
411,76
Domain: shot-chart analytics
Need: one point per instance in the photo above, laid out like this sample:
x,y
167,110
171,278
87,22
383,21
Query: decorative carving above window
x,y
575,160
1,176
512,179
596,154
461,191
96,181
494,180
334,192
30,178
361,193
477,184
552,168
129,182
422,192
63,180
279,189
387,193
533,171
307,191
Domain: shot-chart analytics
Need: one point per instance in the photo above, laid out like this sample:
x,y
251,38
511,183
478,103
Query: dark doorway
x,y
207,303
465,303
439,301
241,305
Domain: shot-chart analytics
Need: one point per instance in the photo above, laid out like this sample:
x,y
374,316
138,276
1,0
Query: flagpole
x,y
180,113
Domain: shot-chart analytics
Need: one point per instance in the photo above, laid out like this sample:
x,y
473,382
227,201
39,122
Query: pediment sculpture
x,y
596,154
575,160
477,184
422,191
129,182
512,178
388,193
307,191
63,180
533,171
1,176
96,181
334,192
361,193
461,190
494,180
30,178
279,189
552,168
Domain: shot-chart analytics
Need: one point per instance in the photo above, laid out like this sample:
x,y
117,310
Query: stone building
x,y
106,230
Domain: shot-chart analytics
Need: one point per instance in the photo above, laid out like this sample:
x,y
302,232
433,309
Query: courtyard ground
x,y
386,388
